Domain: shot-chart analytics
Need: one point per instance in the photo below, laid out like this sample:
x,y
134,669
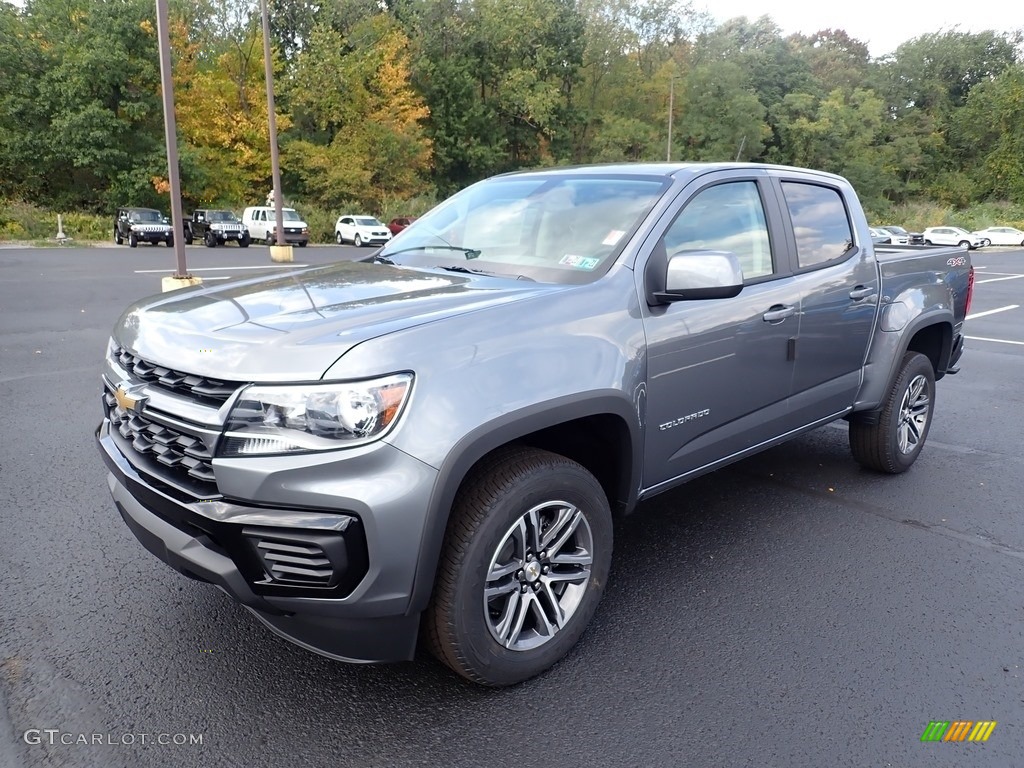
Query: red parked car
x,y
397,225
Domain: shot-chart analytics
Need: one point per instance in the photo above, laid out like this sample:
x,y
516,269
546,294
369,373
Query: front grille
x,y
162,451
199,388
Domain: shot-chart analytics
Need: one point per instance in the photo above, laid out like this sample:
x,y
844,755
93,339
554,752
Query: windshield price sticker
x,y
580,262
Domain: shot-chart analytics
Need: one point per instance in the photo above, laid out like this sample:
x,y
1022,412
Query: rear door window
x,y
821,224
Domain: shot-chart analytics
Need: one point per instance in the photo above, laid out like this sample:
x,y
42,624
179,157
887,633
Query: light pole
x,y
671,99
279,254
181,277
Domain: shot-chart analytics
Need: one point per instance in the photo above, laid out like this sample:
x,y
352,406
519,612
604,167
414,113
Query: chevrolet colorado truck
x,y
429,445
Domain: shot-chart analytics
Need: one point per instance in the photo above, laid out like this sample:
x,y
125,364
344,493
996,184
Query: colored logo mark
x,y
958,730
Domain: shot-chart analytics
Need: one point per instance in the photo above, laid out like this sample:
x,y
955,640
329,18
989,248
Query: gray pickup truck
x,y
431,443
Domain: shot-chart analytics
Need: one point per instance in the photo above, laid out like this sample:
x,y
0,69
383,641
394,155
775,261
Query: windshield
x,y
147,216
222,216
291,216
367,221
557,228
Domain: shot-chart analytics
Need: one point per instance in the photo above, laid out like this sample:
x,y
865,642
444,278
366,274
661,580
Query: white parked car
x,y
1001,235
952,236
899,235
360,230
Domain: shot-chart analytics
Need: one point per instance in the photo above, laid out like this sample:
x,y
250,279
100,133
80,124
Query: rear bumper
x,y
222,547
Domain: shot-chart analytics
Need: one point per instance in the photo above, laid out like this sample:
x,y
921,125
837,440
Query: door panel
x,y
718,378
839,286
719,372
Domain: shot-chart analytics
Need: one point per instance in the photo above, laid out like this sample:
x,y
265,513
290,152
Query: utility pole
x,y
671,100
181,277
280,254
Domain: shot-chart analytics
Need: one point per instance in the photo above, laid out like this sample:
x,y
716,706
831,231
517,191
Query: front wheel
x,y
891,439
133,241
244,240
525,562
210,240
188,237
170,242
357,241
964,244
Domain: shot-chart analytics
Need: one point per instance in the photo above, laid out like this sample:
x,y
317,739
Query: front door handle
x,y
778,313
861,292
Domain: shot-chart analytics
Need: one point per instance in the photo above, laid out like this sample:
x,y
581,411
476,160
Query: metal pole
x,y
171,135
275,160
671,98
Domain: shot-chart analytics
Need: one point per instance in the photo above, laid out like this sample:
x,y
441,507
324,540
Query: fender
x,y
889,348
496,433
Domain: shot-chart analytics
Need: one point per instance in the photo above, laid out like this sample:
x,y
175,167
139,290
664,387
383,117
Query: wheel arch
x,y
930,334
602,433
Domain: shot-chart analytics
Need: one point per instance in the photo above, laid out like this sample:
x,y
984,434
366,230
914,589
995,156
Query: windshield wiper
x,y
378,259
470,253
457,268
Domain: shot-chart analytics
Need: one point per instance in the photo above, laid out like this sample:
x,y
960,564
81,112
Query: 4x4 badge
x,y
129,397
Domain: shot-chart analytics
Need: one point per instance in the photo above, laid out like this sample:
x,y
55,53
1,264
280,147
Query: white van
x,y
261,222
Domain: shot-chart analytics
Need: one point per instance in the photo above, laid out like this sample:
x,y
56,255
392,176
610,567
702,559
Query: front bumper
x,y
292,238
152,237
362,616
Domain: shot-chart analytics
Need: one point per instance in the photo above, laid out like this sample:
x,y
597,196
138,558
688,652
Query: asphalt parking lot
x,y
790,610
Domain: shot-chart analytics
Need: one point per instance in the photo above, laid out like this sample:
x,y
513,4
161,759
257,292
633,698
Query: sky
x,y
881,24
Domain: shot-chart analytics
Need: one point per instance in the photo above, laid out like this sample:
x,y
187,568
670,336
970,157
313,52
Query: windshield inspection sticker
x,y
613,237
580,262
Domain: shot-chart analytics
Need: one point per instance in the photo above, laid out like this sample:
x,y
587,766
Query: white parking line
x,y
997,279
993,311
997,341
222,269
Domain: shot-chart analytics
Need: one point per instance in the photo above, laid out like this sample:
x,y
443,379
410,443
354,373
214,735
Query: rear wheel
x,y
339,238
188,237
890,439
524,565
117,236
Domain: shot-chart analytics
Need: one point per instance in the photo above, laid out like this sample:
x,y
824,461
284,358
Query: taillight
x,y
970,290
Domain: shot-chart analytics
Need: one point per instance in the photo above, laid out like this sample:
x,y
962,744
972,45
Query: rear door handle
x,y
778,313
861,292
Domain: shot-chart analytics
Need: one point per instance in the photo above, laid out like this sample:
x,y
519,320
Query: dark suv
x,y
145,225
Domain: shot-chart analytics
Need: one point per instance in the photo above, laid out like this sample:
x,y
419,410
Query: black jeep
x,y
142,225
216,228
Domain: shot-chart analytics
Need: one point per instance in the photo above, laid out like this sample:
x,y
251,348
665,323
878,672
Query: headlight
x,y
314,417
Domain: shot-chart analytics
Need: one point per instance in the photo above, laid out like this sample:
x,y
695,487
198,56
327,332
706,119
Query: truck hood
x,y
292,327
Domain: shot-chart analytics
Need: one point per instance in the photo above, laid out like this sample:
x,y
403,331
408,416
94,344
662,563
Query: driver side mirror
x,y
701,275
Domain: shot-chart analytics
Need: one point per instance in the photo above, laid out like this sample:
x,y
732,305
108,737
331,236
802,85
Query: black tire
x,y
339,238
357,241
169,241
117,236
927,242
875,437
964,244
188,237
302,244
210,239
133,241
244,240
501,490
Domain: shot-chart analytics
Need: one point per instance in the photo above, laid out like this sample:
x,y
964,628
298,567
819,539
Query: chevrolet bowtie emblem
x,y
128,397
